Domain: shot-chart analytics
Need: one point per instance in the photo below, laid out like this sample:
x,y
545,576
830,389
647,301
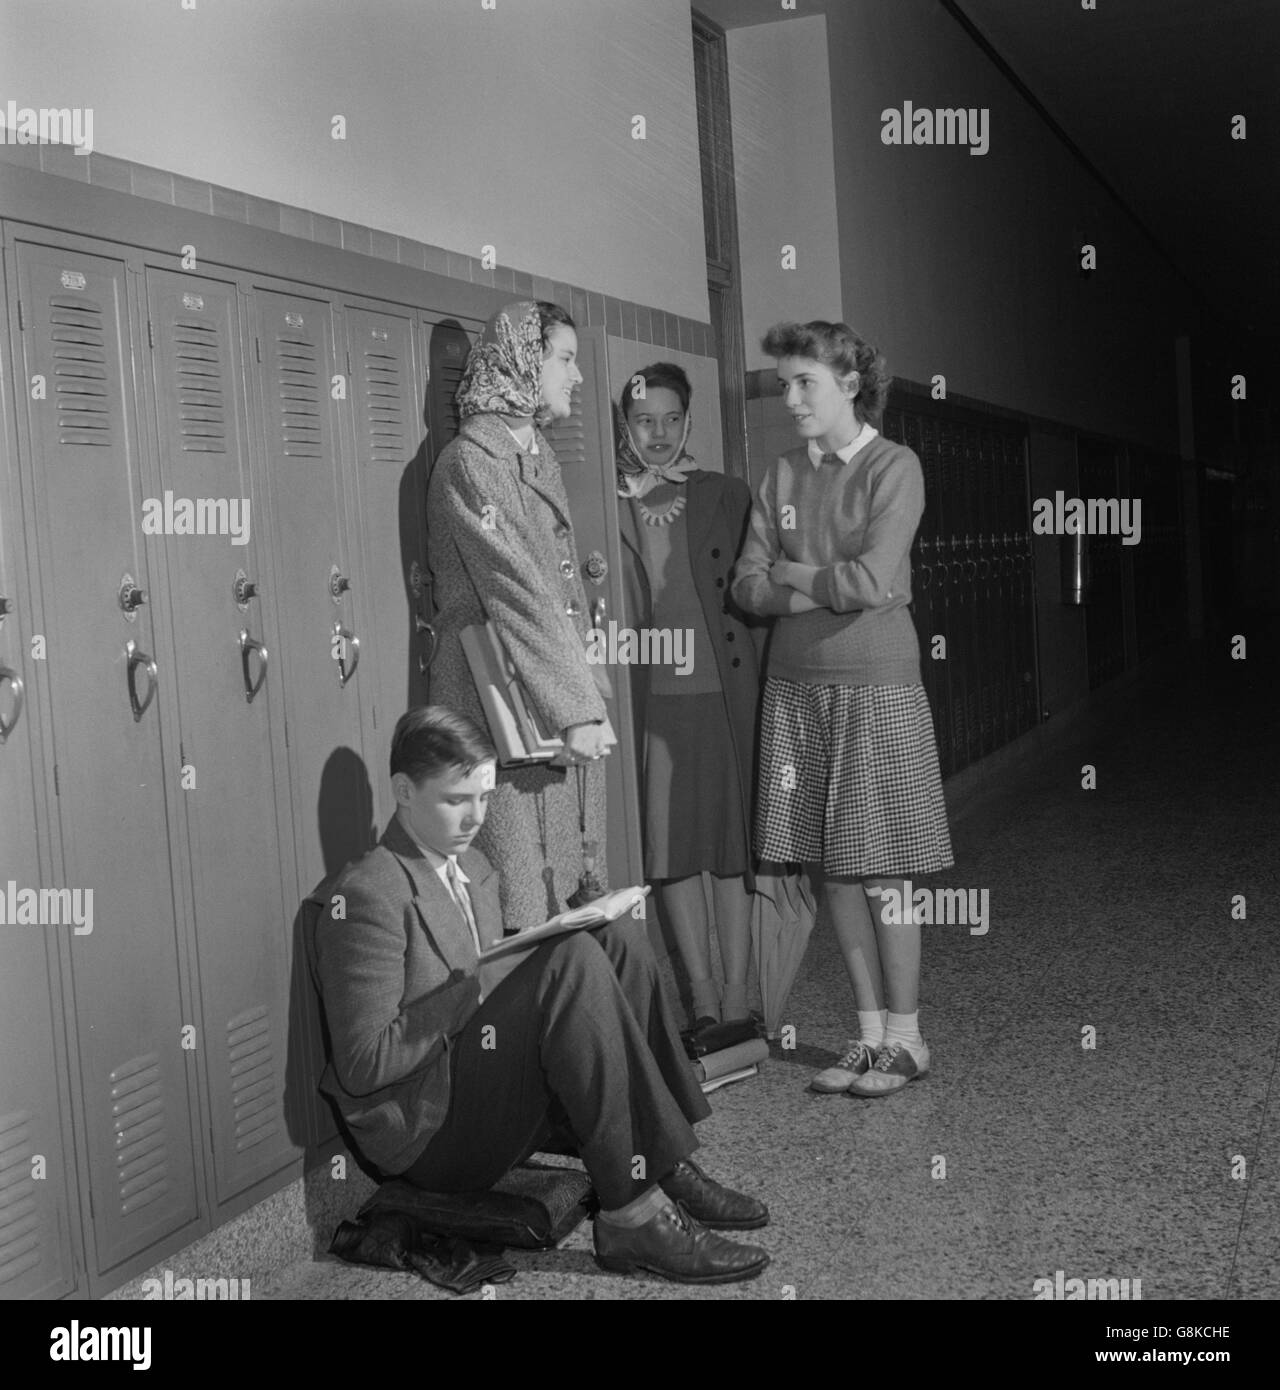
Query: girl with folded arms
x,y
848,779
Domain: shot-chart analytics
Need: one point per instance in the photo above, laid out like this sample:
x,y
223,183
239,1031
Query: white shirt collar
x,y
439,862
865,435
533,439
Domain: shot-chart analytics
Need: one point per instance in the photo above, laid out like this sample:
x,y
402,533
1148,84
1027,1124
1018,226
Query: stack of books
x,y
518,730
725,1052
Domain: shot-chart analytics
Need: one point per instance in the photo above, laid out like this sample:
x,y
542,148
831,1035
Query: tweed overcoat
x,y
500,545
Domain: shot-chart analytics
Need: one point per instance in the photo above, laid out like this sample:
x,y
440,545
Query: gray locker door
x,y
317,567
389,445
39,1216
81,482
584,449
243,919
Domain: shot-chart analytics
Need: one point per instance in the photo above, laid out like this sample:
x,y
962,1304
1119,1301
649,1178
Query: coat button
x,y
728,637
715,554
566,568
737,661
719,583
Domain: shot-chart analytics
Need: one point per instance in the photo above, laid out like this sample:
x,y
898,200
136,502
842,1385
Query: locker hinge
x,y
257,349
22,318
151,335
93,1216
57,791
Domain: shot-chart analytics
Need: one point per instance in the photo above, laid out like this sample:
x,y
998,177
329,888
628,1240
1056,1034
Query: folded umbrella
x,y
782,917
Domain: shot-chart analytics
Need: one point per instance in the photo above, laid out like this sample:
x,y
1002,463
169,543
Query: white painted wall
x,y
780,96
465,126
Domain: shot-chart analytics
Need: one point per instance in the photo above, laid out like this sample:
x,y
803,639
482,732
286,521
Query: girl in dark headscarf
x,y
500,541
681,527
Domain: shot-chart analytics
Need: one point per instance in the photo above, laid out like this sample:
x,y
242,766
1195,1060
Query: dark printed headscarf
x,y
636,476
503,374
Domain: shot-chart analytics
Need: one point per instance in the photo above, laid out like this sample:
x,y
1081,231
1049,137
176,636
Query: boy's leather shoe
x,y
675,1246
710,1203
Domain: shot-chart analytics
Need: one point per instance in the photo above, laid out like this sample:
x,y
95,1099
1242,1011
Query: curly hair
x,y
837,346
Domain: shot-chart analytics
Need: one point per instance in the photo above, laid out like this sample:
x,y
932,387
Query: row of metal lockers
x,y
196,721
973,571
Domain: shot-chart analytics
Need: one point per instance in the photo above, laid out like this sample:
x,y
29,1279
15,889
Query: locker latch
x,y
244,589
131,597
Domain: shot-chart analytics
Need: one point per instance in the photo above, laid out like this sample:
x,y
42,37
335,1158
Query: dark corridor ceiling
x,y
1146,89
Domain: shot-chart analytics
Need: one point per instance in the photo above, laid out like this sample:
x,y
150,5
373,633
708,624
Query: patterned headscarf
x,y
636,476
503,374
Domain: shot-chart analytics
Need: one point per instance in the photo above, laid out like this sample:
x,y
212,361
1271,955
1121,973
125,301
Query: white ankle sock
x,y
871,1026
904,1029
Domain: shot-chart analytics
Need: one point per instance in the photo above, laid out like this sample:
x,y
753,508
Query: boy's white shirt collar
x,y
865,435
439,862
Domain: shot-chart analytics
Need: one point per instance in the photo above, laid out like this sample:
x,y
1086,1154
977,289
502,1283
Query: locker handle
x,y
137,657
249,645
346,640
424,628
15,684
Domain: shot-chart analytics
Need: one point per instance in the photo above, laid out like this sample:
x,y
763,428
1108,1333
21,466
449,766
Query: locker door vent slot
x,y
448,351
78,341
298,365
450,380
254,1084
141,1140
569,437
198,355
383,416
20,1234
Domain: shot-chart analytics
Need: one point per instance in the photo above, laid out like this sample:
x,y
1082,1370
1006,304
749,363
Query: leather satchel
x,y
530,1208
716,1037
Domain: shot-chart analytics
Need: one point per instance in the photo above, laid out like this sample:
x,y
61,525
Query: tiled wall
x,y
770,431
590,309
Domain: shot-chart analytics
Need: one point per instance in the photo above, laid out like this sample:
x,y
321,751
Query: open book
x,y
593,914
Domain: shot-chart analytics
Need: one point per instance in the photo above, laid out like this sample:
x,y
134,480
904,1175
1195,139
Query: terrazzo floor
x,y
1153,1155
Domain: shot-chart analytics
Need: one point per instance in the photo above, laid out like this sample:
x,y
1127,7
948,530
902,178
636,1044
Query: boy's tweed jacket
x,y
396,972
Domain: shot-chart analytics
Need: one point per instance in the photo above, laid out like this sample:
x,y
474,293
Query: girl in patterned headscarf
x,y
500,541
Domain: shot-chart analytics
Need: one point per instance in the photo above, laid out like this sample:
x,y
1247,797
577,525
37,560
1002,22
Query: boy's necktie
x,y
463,899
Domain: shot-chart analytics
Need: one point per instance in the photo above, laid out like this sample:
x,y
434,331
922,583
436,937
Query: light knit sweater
x,y
855,521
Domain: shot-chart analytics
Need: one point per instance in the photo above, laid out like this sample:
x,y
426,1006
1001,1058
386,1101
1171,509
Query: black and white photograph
x,y
638,661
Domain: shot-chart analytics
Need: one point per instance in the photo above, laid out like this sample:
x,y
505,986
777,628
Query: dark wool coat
x,y
500,544
718,509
